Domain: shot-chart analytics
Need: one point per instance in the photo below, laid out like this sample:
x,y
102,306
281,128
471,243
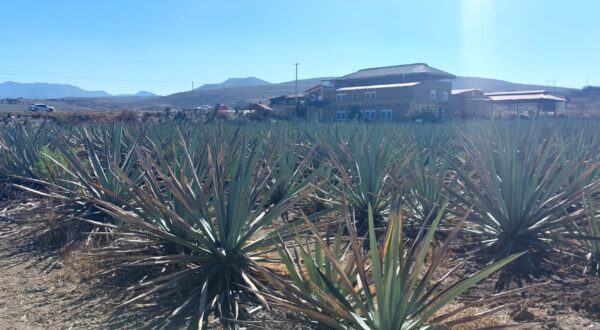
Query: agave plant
x,y
363,164
520,184
20,151
103,150
72,175
289,168
198,233
389,287
585,230
424,180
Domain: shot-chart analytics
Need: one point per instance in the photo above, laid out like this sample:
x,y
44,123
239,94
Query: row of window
x,y
341,97
385,114
372,95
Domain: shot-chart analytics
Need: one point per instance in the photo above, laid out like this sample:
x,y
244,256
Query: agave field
x,y
343,226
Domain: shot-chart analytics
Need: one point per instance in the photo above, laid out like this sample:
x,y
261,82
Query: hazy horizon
x,y
123,48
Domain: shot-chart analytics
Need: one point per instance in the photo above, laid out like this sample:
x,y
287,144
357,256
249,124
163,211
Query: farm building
x,y
259,111
382,94
408,92
469,103
285,106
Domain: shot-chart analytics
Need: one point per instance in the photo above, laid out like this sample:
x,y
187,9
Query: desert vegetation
x,y
345,226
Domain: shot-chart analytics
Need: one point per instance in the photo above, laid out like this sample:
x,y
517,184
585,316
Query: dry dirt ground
x,y
49,293
31,298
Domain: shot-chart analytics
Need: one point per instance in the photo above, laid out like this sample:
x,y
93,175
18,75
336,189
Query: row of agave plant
x,y
339,223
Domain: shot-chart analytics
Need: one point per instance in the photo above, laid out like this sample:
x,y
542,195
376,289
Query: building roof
x,y
314,88
290,96
517,93
368,87
523,96
262,106
462,91
399,70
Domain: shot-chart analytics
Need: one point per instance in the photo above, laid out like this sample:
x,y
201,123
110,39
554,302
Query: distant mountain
x,y
235,82
12,89
495,85
139,94
144,94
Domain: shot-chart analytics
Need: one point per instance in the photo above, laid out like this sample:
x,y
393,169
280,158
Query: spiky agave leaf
x,y
388,287
79,161
425,179
363,163
20,151
520,183
200,236
585,231
291,165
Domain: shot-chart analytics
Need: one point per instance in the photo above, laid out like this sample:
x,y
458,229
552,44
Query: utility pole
x,y
296,90
193,100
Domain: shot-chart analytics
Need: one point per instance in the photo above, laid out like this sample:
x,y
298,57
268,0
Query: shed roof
x,y
524,96
263,107
314,88
369,87
399,70
517,93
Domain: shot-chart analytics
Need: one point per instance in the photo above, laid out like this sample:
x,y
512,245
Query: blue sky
x,y
162,46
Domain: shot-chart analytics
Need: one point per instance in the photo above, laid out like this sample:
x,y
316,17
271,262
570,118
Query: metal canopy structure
x,y
541,98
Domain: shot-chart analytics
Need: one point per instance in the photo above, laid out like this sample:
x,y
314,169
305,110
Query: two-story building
x,y
390,93
285,106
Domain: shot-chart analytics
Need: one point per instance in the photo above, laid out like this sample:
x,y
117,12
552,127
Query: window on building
x,y
341,97
370,95
355,97
445,96
341,115
368,114
433,96
386,114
